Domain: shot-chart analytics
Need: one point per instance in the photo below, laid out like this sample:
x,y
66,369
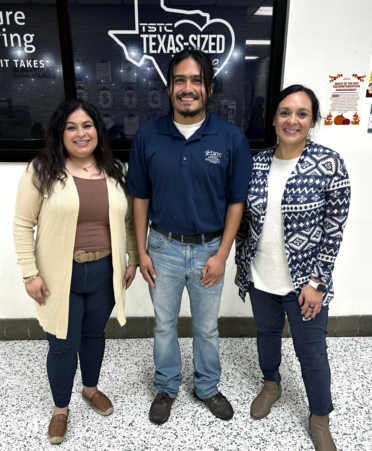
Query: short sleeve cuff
x,y
237,200
140,195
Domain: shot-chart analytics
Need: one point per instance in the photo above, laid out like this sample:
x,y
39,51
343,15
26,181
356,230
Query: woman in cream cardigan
x,y
74,191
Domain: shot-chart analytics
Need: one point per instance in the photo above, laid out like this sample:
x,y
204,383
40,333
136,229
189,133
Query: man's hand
x,y
213,271
311,301
147,270
130,274
35,289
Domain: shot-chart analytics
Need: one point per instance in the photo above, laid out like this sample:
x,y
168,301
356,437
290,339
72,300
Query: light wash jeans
x,y
178,265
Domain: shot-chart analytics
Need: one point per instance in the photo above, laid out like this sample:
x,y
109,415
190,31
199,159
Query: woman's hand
x,y
311,301
237,275
35,289
130,274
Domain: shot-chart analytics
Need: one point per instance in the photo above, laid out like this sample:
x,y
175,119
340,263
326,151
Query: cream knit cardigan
x,y
51,254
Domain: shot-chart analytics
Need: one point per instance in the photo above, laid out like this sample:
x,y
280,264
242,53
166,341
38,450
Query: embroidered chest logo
x,y
213,157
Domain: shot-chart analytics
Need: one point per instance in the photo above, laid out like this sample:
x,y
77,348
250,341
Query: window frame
x,y
25,150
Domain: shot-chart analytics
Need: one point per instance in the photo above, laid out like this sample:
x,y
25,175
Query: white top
x,y
269,270
189,129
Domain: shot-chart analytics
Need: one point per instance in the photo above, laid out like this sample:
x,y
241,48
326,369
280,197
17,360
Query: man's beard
x,y
191,113
186,113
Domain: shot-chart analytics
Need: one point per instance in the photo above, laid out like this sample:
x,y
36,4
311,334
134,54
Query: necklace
x,y
84,169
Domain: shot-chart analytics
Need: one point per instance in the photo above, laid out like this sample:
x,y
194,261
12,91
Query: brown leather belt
x,y
83,257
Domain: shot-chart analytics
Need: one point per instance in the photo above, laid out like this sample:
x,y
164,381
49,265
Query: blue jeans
x,y
309,340
91,303
178,265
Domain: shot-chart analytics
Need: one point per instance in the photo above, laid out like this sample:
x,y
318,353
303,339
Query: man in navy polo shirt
x,y
188,173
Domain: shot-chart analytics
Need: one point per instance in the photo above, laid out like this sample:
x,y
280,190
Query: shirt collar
x,y
208,127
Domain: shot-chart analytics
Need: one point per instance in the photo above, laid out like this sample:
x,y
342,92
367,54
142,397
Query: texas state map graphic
x,y
170,31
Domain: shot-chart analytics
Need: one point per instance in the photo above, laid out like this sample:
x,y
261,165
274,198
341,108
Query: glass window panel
x,y
122,50
31,78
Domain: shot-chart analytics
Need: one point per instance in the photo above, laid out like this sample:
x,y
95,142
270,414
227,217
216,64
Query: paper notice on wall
x,y
130,98
128,73
108,119
103,71
154,99
368,90
370,122
105,98
231,111
345,93
82,92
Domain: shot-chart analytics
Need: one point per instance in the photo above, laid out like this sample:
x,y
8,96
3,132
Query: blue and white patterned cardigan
x,y
315,206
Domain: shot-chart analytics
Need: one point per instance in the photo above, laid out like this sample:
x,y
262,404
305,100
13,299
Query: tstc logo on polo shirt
x,y
171,31
213,157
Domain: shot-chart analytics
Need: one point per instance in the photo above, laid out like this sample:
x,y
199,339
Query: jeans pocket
x,y
213,245
156,242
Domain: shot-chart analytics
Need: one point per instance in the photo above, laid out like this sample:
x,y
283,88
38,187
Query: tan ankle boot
x,y
261,405
319,427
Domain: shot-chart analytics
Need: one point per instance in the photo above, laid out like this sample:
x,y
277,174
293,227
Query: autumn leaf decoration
x,y
359,78
356,119
332,79
328,120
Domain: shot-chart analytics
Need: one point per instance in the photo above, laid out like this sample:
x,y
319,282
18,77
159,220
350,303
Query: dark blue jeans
x,y
309,340
91,303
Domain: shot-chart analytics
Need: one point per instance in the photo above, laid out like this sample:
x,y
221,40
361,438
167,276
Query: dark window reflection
x,y
31,79
109,45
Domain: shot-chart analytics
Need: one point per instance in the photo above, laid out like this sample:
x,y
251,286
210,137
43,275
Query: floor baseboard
x,y
229,327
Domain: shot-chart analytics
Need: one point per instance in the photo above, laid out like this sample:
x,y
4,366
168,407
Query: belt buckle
x,y
187,242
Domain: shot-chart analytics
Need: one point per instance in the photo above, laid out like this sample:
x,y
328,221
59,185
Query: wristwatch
x,y
318,286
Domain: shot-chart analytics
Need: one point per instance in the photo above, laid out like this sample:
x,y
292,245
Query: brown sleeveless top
x,y
93,226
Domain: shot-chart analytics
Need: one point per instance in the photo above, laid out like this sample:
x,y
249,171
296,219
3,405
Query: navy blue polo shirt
x,y
189,182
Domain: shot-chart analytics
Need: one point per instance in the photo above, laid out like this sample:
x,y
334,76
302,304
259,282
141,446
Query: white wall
x,y
323,37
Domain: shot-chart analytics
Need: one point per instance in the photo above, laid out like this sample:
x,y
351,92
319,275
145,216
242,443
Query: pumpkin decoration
x,y
339,120
346,121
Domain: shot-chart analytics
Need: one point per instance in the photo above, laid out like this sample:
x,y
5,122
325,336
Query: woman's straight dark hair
x,y
300,88
206,70
50,163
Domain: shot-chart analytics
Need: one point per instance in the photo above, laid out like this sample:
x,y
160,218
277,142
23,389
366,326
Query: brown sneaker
x,y
160,408
57,428
319,427
261,405
219,406
100,403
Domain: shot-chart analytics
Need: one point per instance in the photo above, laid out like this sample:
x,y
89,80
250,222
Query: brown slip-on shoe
x,y
319,427
261,405
100,403
57,428
218,405
160,408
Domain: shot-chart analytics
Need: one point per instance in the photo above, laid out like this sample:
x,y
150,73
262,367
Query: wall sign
x,y
345,92
31,74
170,31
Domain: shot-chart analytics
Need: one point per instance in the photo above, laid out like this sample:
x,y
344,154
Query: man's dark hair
x,y
300,88
206,70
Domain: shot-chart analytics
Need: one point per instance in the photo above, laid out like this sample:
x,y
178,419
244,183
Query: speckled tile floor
x,y
126,377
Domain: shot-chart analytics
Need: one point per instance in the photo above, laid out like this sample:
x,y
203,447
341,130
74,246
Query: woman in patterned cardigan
x,y
291,232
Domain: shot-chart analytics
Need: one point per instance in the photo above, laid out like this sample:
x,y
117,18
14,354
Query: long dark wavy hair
x,y
49,163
